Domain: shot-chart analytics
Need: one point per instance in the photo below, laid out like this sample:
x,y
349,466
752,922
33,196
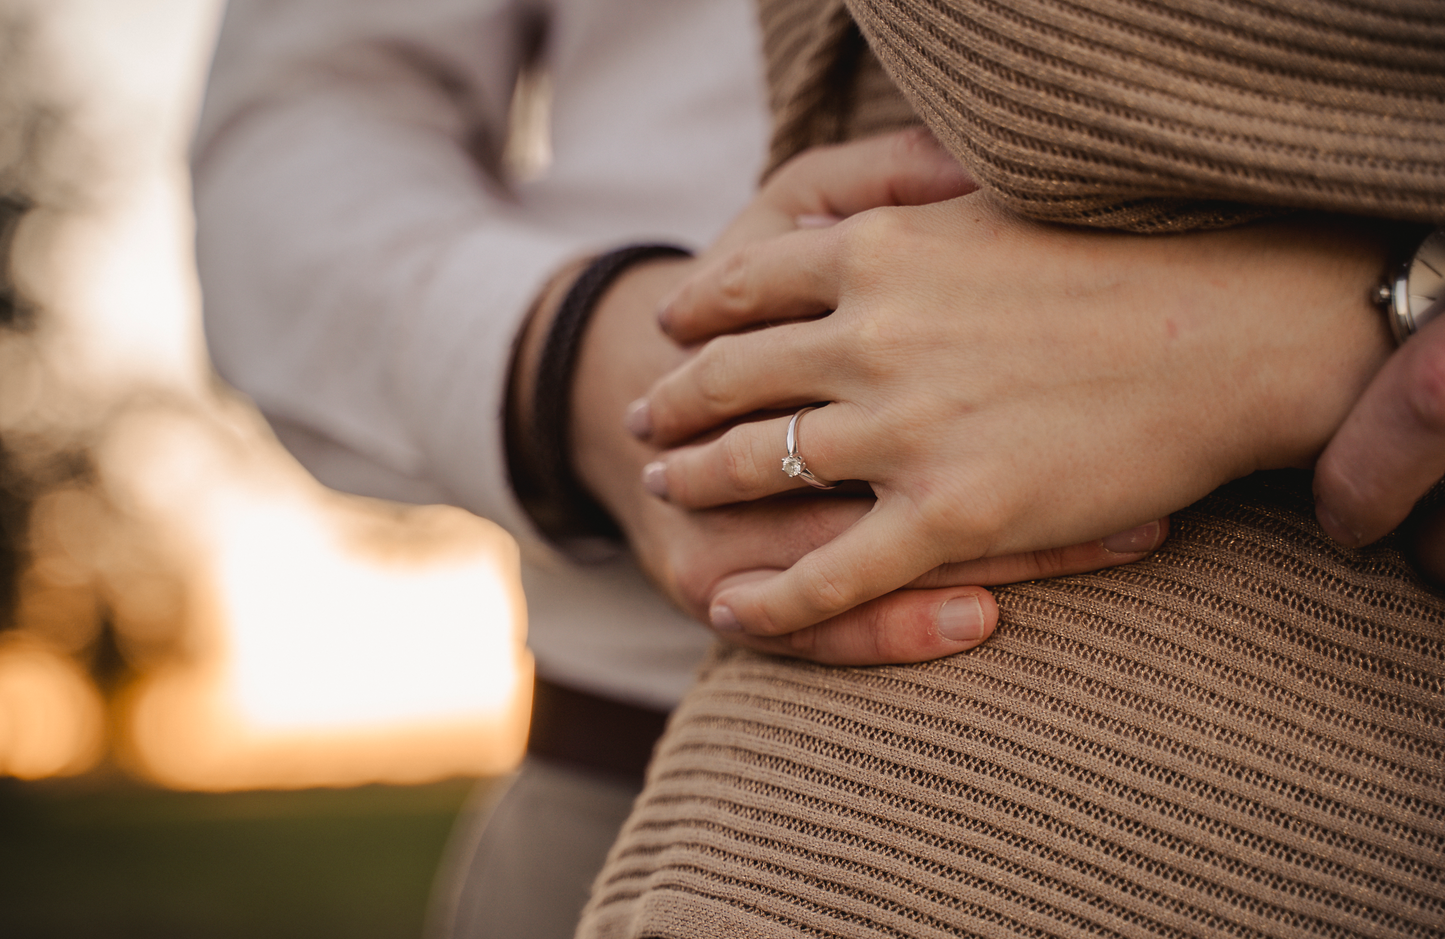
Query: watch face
x,y
1425,280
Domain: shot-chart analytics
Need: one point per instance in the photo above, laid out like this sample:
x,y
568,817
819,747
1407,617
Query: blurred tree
x,y
13,512
12,310
46,462
15,314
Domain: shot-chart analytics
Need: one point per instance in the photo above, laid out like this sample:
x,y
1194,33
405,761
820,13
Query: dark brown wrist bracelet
x,y
539,456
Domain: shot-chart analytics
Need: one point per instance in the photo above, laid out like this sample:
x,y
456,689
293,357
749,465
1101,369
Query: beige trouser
x,y
523,869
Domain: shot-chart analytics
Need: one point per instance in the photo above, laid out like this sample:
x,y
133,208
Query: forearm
x,y
1291,335
366,279
363,279
385,330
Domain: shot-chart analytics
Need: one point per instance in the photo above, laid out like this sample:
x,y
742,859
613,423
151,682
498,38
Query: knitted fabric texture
x,y
1138,115
1242,735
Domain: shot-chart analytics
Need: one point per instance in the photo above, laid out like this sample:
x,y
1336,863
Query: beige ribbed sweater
x,y
1243,735
1147,115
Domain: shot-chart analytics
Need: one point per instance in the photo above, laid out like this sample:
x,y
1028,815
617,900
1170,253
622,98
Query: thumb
x,y
1391,448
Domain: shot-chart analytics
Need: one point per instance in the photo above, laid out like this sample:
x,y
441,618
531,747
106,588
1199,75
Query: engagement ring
x,y
793,463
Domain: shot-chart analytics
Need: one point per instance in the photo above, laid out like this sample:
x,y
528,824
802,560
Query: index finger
x,y
788,277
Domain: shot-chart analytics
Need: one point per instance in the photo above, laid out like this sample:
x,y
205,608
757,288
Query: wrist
x,y
623,353
540,406
1327,341
527,355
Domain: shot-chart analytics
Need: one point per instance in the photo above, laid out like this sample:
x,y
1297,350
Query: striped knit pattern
x,y
1240,736
825,83
1146,115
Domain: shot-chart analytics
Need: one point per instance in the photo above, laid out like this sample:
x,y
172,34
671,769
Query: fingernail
x,y
1143,538
724,620
639,419
817,221
654,478
1337,529
961,619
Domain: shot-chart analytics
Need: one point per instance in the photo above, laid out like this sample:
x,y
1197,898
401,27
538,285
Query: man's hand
x,y
1389,451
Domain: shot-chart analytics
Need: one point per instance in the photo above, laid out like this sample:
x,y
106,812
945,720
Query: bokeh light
x,y
51,718
186,587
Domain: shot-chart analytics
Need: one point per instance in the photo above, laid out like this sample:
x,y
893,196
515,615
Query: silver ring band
x,y
793,463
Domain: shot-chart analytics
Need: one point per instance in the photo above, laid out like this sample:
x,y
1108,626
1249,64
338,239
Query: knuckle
x,y
878,638
739,462
825,590
713,376
897,628
734,280
873,345
864,248
867,234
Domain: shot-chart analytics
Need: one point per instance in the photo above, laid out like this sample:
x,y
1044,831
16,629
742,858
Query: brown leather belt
x,y
590,732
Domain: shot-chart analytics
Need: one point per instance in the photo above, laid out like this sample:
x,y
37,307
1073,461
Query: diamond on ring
x,y
793,463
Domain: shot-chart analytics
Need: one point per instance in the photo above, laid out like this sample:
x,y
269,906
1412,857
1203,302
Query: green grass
x,y
87,861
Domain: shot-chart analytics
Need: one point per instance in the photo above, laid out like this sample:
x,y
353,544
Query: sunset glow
x,y
275,634
328,667
51,721
318,639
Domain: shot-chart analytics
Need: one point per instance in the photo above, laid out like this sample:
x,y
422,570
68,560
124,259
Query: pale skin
x,y
1004,385
692,556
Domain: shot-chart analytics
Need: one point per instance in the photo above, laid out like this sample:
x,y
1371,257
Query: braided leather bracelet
x,y
544,478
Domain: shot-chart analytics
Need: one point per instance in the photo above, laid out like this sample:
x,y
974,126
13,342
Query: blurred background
x,y
231,702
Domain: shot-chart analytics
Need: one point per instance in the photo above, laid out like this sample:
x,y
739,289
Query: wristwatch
x,y
1415,293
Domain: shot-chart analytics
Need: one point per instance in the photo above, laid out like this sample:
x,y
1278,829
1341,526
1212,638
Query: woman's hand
x,y
693,555
1003,385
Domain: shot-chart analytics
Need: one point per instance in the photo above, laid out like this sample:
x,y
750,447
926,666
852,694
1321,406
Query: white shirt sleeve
x,y
365,278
